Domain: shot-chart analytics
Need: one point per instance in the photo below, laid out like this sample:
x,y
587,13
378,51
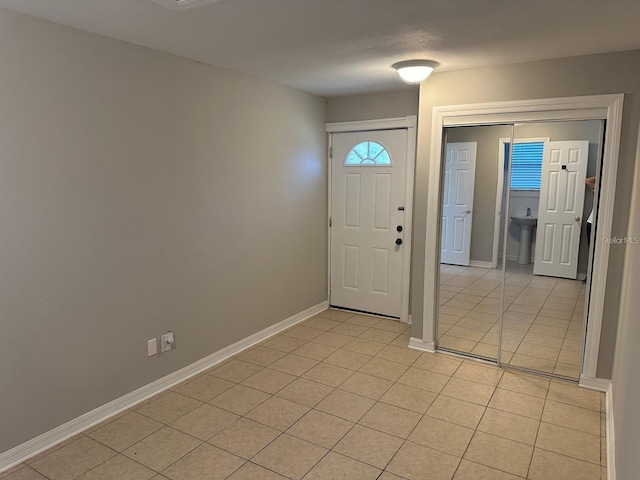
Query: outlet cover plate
x,y
165,346
152,347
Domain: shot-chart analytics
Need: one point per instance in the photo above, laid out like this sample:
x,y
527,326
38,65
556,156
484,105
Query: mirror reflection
x,y
470,293
517,215
553,167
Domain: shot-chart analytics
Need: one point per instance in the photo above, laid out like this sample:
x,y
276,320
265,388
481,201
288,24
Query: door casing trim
x,y
409,123
592,107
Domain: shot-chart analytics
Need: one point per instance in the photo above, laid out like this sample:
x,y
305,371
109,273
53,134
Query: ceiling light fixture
x,y
415,71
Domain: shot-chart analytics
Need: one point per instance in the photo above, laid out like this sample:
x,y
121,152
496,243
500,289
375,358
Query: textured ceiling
x,y
338,47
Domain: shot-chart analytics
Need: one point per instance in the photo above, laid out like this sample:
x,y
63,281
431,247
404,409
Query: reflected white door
x,y
564,170
457,202
368,173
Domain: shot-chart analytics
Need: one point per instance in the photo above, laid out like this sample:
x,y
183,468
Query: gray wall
x,y
625,381
615,73
372,106
142,192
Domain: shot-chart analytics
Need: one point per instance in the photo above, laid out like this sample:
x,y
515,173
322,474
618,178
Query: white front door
x,y
564,170
457,202
368,171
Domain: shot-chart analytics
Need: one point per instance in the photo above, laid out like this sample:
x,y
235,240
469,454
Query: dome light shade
x,y
415,71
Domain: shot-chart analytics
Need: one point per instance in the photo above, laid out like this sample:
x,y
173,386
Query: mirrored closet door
x,y
470,284
552,171
517,203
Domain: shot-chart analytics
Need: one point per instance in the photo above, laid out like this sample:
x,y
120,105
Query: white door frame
x,y
501,160
409,123
593,107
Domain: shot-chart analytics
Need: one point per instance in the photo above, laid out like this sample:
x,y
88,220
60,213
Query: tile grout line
x,y
474,431
376,401
330,449
484,412
122,452
313,408
422,416
202,442
281,432
535,441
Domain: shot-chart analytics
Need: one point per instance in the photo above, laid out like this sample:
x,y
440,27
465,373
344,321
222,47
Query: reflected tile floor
x,y
341,396
543,317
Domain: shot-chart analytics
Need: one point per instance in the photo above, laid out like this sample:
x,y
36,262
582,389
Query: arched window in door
x,y
368,153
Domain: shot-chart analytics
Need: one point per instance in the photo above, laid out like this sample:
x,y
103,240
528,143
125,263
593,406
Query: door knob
x,y
399,228
398,241
577,219
467,211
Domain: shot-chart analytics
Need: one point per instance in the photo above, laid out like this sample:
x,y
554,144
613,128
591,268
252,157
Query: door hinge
x,y
330,152
329,221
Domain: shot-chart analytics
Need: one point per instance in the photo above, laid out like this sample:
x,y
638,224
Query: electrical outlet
x,y
166,341
152,347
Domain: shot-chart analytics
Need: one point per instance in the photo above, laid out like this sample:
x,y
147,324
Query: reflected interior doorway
x,y
495,307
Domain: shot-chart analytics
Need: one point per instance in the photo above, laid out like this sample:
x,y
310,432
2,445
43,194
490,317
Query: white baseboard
x,y
421,345
481,264
59,434
593,383
611,437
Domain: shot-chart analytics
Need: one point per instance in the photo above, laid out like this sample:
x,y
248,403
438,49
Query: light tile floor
x,y
543,317
342,397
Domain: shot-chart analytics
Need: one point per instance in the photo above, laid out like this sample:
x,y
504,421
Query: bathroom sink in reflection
x,y
524,220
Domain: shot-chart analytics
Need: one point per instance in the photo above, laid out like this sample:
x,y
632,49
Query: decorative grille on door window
x,y
368,153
